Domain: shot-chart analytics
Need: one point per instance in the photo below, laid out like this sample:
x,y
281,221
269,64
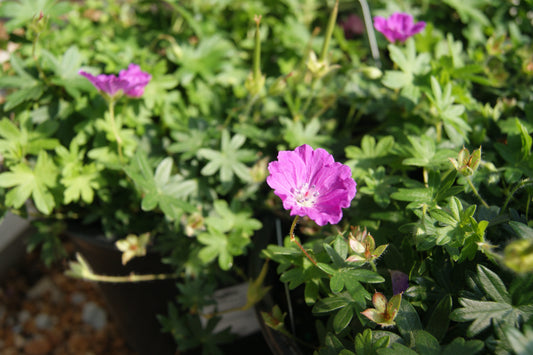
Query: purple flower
x,y
131,81
400,281
310,183
398,27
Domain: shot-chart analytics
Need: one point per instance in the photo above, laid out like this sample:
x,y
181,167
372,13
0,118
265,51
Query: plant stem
x,y
373,265
329,31
115,128
370,32
257,49
518,186
293,239
36,59
474,190
128,278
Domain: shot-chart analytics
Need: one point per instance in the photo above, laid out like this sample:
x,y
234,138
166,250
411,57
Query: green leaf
x,y
407,319
216,245
396,349
342,319
21,12
229,160
36,183
24,94
493,285
160,189
480,312
521,230
336,283
371,155
470,11
296,133
425,343
338,261
82,184
461,347
363,343
329,304
522,344
439,319
232,218
364,275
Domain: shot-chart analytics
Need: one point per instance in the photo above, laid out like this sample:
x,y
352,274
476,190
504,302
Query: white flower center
x,y
306,195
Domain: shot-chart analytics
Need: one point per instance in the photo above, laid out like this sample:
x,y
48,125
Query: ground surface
x,y
43,312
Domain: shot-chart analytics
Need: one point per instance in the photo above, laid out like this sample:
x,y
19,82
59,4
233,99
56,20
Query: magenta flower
x,y
310,183
130,81
398,27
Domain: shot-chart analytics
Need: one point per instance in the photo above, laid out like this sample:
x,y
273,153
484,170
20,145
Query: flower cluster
x,y
130,81
310,183
398,27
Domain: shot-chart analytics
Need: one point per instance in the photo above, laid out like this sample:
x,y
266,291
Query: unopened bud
x,y
466,163
372,72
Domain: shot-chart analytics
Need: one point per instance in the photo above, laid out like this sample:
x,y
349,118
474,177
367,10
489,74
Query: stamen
x,y
306,196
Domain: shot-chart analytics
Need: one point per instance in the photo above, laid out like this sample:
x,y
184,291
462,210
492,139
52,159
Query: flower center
x,y
306,195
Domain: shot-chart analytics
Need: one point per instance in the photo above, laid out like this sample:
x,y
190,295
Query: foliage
x,y
437,132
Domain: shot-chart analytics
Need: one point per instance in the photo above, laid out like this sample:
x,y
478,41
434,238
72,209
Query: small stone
x,y
23,316
37,346
94,315
43,287
18,340
77,298
43,321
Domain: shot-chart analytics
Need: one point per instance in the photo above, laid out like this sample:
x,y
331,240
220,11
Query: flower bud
x,y
518,255
372,72
466,163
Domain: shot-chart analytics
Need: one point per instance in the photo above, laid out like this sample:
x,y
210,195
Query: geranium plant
x,y
191,127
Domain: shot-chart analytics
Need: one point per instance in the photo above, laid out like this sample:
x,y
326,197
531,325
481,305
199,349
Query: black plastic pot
x,y
279,343
134,306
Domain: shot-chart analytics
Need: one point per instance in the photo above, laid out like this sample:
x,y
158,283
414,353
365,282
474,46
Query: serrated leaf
x,y
461,347
229,160
159,188
37,183
480,312
493,285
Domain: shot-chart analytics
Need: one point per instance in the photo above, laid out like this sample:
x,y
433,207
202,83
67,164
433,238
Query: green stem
x,y
474,190
439,131
257,49
115,128
518,186
293,239
329,31
127,278
373,265
36,60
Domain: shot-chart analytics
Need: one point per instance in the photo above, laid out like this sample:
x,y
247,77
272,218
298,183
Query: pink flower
x,y
131,81
310,183
398,27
